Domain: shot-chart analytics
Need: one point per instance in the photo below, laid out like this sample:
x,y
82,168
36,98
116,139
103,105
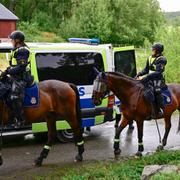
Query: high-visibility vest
x,y
13,61
152,66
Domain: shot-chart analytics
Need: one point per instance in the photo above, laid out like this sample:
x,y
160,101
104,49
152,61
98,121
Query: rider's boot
x,y
160,105
160,113
156,112
17,114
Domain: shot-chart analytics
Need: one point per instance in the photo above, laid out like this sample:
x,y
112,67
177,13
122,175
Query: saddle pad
x,y
31,98
167,97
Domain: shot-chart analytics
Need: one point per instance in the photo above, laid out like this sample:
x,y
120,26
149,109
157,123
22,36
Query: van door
x,y
124,60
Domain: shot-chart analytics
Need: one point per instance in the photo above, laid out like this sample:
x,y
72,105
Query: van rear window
x,y
125,62
75,67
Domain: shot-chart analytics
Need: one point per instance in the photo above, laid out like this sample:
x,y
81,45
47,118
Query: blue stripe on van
x,y
86,103
88,122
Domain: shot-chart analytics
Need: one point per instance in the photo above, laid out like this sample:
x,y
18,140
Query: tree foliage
x,y
115,21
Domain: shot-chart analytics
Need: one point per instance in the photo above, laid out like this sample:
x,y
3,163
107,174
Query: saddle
x,y
31,96
150,96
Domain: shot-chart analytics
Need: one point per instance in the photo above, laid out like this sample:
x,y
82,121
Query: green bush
x,y
170,37
34,34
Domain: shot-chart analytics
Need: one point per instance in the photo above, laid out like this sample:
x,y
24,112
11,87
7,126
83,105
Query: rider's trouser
x,y
159,97
16,97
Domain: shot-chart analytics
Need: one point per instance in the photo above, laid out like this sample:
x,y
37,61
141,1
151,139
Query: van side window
x,y
75,68
125,62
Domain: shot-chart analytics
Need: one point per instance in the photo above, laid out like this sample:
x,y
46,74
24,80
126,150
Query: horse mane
x,y
122,76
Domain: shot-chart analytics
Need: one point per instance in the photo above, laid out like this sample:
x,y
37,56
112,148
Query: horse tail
x,y
78,108
179,122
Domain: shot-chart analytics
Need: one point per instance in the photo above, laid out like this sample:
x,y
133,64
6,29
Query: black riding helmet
x,y
17,35
158,47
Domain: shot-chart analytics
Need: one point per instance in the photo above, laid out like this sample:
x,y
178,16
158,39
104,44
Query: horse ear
x,y
96,71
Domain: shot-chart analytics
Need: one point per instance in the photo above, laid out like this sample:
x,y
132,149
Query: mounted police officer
x,y
20,75
155,67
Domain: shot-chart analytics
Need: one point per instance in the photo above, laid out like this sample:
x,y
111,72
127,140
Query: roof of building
x,y
6,14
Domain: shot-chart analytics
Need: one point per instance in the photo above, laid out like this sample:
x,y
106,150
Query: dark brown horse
x,y
133,104
57,99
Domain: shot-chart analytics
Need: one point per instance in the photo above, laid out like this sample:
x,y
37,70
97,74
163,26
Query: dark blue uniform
x,y
19,65
21,55
154,81
21,77
155,68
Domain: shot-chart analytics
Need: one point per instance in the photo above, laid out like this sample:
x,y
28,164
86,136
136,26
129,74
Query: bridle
x,y
100,86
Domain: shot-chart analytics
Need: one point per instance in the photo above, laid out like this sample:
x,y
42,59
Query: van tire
x,y
65,136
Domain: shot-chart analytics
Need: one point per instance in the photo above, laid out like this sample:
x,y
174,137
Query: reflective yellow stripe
x,y
151,60
151,72
116,140
80,143
140,144
13,60
47,147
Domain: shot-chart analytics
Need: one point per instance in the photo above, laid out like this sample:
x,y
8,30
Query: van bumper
x,y
93,112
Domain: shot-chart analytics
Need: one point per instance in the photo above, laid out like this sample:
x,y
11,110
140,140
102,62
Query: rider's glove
x,y
144,80
136,76
8,70
4,74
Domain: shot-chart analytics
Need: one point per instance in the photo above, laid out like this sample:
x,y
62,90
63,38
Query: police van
x,y
73,62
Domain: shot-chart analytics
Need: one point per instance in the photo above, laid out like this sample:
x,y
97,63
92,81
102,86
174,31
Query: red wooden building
x,y
7,22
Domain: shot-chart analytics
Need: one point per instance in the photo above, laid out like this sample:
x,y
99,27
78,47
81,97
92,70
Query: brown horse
x,y
57,99
133,104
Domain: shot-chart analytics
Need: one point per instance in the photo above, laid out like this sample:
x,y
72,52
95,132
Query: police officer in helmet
x,y
19,72
155,67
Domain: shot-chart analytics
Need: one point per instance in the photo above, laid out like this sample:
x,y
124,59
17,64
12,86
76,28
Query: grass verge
x,y
122,169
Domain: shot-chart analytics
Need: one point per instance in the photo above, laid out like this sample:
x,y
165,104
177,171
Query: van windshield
x,y
73,67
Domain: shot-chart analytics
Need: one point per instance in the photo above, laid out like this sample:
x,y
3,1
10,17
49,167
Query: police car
x,y
73,62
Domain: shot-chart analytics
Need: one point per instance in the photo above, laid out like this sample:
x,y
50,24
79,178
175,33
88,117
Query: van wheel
x,y
65,136
40,137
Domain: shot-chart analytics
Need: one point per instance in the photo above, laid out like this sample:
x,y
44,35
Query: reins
x,y
1,130
158,131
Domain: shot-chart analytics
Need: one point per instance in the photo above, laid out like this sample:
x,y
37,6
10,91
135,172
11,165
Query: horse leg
x,y
1,159
75,123
118,130
117,119
167,121
79,143
51,125
140,124
131,127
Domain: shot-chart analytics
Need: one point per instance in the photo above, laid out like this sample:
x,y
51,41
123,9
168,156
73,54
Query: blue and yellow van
x,y
73,62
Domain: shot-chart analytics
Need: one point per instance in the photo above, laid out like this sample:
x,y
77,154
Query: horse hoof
x,y
138,154
38,162
116,156
160,148
117,152
1,161
78,158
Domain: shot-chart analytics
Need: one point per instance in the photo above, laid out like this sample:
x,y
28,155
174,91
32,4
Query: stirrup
x,y
158,115
18,123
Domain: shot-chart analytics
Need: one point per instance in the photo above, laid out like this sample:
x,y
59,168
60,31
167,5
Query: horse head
x,y
100,88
